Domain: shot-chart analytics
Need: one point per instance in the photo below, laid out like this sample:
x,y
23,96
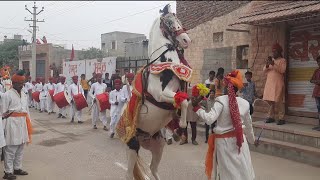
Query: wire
x,y
68,9
121,18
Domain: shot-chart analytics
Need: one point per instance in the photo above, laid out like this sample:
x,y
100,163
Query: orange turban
x,y
74,77
18,77
277,47
235,77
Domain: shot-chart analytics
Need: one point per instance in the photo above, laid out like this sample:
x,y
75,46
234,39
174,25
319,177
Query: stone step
x,y
257,115
299,134
292,151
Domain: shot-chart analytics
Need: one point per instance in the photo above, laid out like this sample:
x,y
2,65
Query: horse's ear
x,y
166,10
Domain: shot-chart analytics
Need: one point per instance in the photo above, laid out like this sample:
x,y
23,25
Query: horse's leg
x,y
132,156
156,149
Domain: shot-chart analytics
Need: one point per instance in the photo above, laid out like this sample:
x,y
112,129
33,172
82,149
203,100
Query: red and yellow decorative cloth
x,y
126,128
182,71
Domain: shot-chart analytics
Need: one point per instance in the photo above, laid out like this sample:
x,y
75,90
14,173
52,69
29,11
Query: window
x,y
103,46
218,37
113,45
242,57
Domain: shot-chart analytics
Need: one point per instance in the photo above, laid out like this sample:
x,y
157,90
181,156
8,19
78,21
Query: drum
x,y
62,99
51,92
35,96
80,101
103,101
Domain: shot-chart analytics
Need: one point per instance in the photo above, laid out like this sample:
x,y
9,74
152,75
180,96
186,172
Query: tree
x,y
91,53
9,53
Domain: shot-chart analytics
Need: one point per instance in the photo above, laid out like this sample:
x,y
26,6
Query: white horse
x,y
167,38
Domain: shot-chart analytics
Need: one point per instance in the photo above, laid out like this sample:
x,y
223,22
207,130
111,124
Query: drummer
x,y
98,88
37,87
74,89
60,87
47,87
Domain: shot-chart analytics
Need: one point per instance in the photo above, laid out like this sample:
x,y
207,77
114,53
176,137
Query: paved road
x,y
65,151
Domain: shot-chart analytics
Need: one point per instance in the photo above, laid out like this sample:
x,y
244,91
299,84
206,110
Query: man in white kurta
x,y
60,87
228,162
116,100
74,89
16,127
98,88
127,89
29,87
42,96
48,87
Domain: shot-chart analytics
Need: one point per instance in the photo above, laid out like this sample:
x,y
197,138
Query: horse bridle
x,y
170,32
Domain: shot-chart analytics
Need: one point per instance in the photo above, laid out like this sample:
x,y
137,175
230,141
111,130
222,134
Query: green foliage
x,y
91,53
9,53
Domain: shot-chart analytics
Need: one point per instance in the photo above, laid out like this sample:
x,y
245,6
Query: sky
x,y
80,23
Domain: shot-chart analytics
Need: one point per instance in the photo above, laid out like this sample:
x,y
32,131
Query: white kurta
x,y
50,102
231,165
115,110
127,93
74,89
60,88
15,128
97,88
29,86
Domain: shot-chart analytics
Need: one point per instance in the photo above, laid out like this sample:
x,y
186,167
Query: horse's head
x,y
172,28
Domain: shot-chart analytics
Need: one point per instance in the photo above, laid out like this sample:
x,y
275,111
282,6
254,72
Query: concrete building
x,y
295,26
213,45
49,59
136,47
113,43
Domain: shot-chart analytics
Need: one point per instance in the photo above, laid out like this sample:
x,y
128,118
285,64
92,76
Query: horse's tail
x,y
139,170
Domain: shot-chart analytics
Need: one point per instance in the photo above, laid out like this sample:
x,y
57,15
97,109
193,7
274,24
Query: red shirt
x,y
316,76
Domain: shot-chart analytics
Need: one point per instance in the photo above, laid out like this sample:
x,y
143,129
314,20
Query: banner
x,y
87,67
73,68
107,65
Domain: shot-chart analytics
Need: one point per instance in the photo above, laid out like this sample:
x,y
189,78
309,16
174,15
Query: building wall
x,y
120,38
198,54
261,49
136,47
193,13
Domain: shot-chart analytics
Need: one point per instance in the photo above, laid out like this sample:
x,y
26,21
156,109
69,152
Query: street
x,y
61,150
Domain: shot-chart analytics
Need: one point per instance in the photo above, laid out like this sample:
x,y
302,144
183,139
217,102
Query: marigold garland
x,y
200,89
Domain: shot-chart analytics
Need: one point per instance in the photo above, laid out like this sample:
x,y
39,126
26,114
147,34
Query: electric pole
x,y
34,26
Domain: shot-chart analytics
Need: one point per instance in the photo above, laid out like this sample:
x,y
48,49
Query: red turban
x,y
62,77
130,75
16,78
74,77
117,81
51,78
98,75
277,47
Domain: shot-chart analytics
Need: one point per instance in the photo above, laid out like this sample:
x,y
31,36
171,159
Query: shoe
x,y
40,111
206,141
105,128
80,122
176,137
9,176
20,172
95,127
49,113
183,142
195,142
59,116
270,120
281,122
72,120
111,135
169,141
63,117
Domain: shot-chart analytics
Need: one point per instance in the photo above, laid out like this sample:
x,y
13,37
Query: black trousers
x,y
251,109
207,129
85,93
193,131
